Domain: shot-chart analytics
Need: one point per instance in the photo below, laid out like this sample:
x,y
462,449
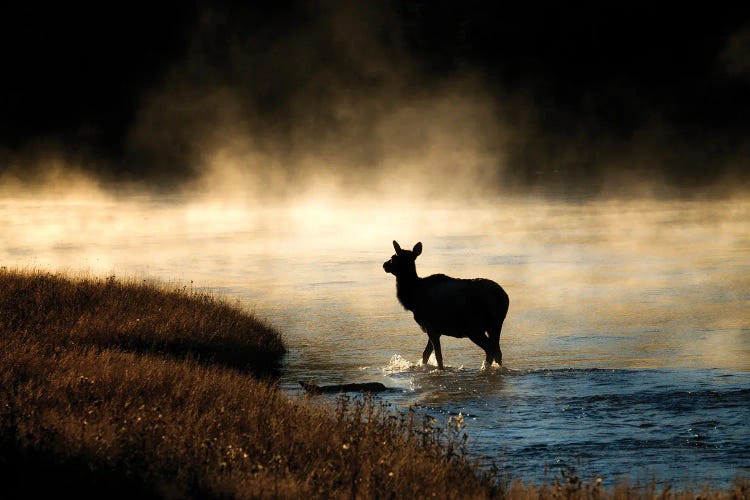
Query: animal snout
x,y
387,266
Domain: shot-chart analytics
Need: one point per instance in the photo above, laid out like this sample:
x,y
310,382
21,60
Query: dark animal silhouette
x,y
450,306
354,387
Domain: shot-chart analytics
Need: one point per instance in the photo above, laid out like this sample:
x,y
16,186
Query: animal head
x,y
402,262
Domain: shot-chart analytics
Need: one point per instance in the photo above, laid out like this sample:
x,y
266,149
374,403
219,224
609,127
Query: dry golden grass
x,y
104,383
138,317
129,390
176,426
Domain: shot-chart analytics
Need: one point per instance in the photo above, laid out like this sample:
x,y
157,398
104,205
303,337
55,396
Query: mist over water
x,y
626,347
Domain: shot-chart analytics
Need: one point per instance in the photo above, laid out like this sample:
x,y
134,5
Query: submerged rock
x,y
354,387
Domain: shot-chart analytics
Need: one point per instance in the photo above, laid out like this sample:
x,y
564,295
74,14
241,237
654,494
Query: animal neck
x,y
406,285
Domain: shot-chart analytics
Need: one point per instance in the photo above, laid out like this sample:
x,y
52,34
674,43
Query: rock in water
x,y
336,388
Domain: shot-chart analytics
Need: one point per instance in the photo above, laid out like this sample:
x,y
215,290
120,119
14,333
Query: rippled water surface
x,y
626,348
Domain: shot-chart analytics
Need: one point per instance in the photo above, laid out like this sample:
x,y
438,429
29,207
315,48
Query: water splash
x,y
399,364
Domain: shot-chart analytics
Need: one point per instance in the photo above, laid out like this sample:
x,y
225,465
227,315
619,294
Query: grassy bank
x,y
123,389
129,388
136,317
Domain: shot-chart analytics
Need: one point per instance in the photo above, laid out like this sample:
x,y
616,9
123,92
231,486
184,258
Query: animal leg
x,y
427,352
435,340
494,344
480,339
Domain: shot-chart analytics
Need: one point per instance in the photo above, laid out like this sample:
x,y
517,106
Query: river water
x,y
626,348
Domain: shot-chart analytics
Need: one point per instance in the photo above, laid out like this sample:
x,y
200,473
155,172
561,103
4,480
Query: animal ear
x,y
417,249
396,246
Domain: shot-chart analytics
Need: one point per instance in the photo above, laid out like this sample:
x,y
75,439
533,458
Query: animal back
x,y
455,306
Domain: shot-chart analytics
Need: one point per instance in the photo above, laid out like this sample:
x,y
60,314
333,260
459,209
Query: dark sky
x,y
663,90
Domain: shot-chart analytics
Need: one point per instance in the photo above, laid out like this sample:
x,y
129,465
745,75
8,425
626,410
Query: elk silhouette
x,y
450,306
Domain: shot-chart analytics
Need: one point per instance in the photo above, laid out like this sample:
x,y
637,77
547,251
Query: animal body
x,y
473,308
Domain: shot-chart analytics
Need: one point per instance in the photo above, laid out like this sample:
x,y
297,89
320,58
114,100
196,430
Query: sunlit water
x,y
626,348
